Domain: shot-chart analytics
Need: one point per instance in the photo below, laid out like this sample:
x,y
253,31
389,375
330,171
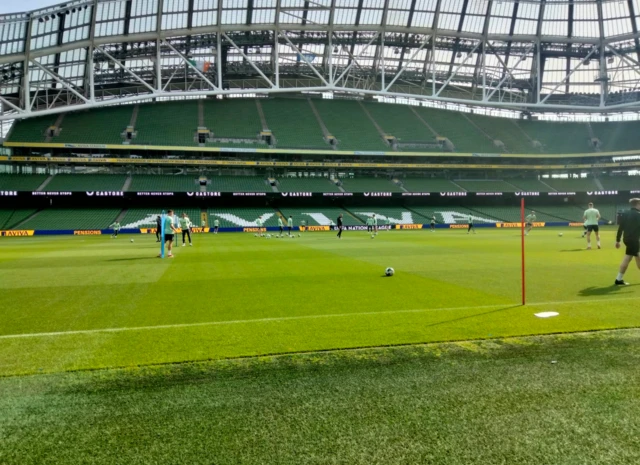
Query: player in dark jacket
x,y
629,232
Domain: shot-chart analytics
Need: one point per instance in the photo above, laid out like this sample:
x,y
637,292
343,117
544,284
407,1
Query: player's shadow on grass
x,y
573,250
128,259
606,290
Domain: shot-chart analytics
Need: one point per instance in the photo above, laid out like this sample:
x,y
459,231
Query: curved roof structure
x,y
534,55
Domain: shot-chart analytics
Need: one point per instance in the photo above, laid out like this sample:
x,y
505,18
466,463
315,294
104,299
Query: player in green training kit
x,y
629,232
116,227
185,225
281,226
169,231
303,226
530,218
375,224
369,224
216,226
470,226
432,224
591,217
290,224
259,224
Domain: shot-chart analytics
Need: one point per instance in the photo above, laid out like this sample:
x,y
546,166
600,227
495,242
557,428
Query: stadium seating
x,y
322,215
90,127
572,185
306,185
136,218
167,123
243,217
453,125
160,183
399,121
486,185
238,184
557,137
233,118
530,185
618,136
72,218
10,218
395,215
31,129
512,214
505,130
346,121
429,185
452,215
293,124
369,185
621,183
85,182
21,182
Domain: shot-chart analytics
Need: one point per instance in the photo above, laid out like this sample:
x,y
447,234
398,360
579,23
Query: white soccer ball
x,y
131,240
372,236
268,236
255,235
560,234
292,237
299,235
389,271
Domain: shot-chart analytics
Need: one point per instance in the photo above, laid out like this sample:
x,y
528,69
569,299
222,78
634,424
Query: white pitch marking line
x,y
300,317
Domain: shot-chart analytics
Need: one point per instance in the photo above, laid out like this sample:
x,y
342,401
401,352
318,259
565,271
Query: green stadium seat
x,y
306,185
103,126
239,184
369,185
10,218
21,182
72,218
293,124
243,217
320,216
429,185
167,123
486,185
85,182
163,183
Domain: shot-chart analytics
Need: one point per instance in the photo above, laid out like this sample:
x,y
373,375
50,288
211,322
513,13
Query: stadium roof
x,y
574,55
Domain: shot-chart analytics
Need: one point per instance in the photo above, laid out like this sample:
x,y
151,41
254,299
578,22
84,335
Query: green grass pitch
x,y
75,303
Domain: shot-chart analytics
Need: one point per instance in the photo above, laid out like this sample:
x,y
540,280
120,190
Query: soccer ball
x,y
268,236
255,235
389,271
131,240
299,235
292,237
560,234
372,236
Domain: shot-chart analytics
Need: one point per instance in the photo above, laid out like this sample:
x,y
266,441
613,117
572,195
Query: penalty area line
x,y
300,317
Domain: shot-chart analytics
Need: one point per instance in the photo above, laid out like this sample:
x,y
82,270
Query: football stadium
x,y
320,232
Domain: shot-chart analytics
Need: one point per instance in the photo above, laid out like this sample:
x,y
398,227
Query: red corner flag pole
x,y
522,252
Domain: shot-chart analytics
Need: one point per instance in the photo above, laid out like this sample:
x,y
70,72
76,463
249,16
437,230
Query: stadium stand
x,y
452,215
512,214
243,217
429,185
72,218
163,183
135,218
504,129
167,123
572,185
87,127
10,218
21,182
32,129
293,124
493,185
620,183
331,214
453,125
369,185
239,184
232,118
306,185
557,137
399,121
347,122
618,136
530,185
85,182
395,215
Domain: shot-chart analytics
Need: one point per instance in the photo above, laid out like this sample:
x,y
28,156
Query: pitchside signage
x,y
105,194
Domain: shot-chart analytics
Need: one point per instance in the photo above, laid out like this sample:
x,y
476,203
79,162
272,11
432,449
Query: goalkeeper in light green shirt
x,y
116,227
185,225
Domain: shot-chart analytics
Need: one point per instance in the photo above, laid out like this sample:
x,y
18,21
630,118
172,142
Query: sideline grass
x,y
485,403
235,295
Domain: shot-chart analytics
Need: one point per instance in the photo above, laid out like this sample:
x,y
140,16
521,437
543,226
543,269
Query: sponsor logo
x,y
148,230
519,225
635,192
8,193
578,225
527,194
362,228
377,194
560,193
249,194
200,230
296,194
314,228
416,194
51,194
602,193
254,230
453,194
105,194
96,232
85,146
458,226
488,194
408,226
17,232
338,194
204,194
